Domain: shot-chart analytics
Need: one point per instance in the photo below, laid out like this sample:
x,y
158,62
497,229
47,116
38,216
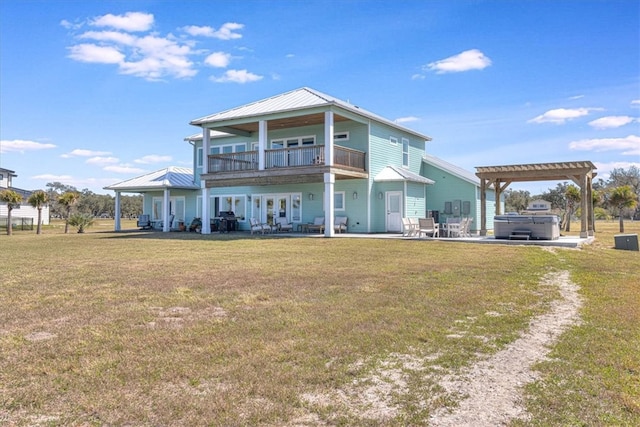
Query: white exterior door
x,y
393,207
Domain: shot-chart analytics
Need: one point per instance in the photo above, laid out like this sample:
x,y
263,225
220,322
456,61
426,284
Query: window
x,y
199,158
393,140
341,136
228,148
296,141
405,152
338,201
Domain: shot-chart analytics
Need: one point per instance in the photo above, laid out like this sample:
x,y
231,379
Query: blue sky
x,y
93,93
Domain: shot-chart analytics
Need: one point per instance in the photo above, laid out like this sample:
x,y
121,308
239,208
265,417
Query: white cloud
x,y
418,77
611,122
88,52
635,103
226,32
78,152
407,119
21,145
99,160
629,145
468,60
576,97
151,56
130,21
123,169
218,59
51,177
110,36
237,76
153,158
561,115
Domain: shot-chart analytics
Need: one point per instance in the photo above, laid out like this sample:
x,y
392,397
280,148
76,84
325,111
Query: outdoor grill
x,y
526,227
226,221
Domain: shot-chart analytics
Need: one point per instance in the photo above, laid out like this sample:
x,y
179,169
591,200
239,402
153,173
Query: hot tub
x,y
534,227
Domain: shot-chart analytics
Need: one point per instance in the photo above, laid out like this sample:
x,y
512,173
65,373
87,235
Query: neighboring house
x,y
538,206
25,210
301,155
456,193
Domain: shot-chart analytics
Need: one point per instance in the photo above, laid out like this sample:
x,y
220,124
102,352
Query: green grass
x,y
184,329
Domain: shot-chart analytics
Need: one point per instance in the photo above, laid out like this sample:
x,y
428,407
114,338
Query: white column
x,y
262,143
329,181
206,142
117,213
206,211
165,211
328,138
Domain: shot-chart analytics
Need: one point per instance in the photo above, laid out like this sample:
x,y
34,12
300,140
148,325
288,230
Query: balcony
x,y
283,165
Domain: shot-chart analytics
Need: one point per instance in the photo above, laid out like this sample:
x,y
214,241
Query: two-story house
x,y
295,156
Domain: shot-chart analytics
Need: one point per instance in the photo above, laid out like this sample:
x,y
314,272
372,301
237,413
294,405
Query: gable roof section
x,y
295,100
172,177
451,168
393,173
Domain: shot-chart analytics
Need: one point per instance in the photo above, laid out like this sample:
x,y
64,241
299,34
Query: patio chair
x,y
340,224
282,224
415,224
408,229
456,229
144,222
427,227
257,226
317,225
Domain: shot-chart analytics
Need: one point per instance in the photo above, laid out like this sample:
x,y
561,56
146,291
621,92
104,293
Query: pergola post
x,y
483,207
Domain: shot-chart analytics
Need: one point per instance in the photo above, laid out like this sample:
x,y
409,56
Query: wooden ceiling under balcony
x,y
288,122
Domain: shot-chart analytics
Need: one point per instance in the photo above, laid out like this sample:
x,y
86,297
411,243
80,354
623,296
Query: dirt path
x,y
489,393
493,386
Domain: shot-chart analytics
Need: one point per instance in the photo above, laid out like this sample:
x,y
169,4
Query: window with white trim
x,y
341,136
199,157
296,141
228,148
393,140
338,200
405,152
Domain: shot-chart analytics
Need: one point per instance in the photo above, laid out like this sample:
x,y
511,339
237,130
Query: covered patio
x,y
164,180
500,177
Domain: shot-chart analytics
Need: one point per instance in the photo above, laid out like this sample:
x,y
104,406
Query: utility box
x,y
627,242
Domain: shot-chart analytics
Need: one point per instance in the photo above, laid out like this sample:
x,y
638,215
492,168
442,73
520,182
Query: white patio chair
x,y
282,224
427,227
257,226
340,224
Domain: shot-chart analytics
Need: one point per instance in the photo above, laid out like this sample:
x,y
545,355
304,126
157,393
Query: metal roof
x,y
295,100
451,168
393,173
172,177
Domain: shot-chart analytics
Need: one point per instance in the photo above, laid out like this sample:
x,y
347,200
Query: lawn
x,y
149,329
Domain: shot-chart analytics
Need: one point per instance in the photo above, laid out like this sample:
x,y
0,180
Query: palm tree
x,y
81,220
623,197
572,194
12,199
68,200
38,199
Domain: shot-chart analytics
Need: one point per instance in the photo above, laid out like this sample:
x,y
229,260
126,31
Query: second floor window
x,y
405,152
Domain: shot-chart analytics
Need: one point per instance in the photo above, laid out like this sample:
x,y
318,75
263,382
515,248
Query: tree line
x,y
77,208
617,196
